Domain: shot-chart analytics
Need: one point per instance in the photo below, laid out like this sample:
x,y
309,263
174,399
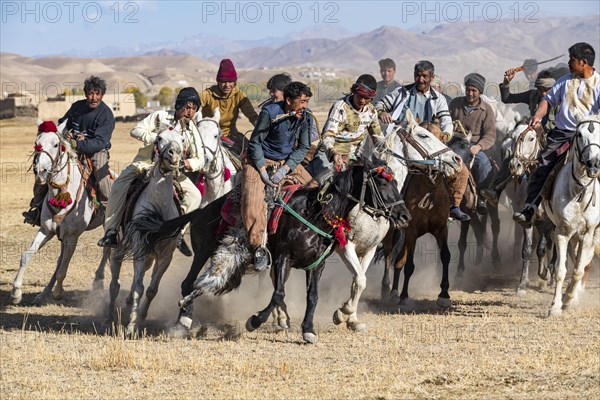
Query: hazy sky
x,y
52,27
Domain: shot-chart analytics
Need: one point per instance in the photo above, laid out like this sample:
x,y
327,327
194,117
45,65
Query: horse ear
x,y
63,126
410,119
217,115
198,116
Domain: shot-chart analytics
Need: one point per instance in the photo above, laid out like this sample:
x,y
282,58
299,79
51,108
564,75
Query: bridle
x,y
579,155
160,156
212,172
380,207
55,162
430,162
532,159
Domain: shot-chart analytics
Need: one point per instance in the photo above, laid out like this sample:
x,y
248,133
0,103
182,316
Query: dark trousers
x,y
547,160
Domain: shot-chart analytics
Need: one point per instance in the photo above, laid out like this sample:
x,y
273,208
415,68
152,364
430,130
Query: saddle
x,y
231,210
135,190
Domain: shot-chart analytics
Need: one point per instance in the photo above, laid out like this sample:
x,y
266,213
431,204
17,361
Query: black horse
x,y
461,146
295,244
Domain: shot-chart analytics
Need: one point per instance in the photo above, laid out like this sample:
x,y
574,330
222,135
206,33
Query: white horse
x,y
218,172
525,145
56,165
574,208
409,147
154,205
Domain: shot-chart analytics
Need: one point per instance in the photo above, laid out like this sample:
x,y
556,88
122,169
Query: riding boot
x,y
34,214
458,215
262,258
525,216
109,239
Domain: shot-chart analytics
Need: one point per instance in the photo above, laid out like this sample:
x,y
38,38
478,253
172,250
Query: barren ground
x,y
490,344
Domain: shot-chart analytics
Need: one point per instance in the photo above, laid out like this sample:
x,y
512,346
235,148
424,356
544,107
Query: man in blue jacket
x,y
280,141
91,124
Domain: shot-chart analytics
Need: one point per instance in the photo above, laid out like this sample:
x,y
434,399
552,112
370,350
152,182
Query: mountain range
x,y
455,49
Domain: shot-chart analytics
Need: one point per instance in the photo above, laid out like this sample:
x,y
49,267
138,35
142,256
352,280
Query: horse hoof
x,y
555,312
394,294
179,331
16,296
357,326
281,325
309,337
443,302
339,317
131,329
521,292
406,305
58,295
252,323
39,300
544,275
98,284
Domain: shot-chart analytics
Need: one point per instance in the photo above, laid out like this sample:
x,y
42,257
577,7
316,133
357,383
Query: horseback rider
x,y
387,84
90,124
230,101
425,103
477,118
575,95
348,122
532,98
182,119
280,141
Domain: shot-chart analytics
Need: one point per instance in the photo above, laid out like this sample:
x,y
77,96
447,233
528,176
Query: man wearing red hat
x,y
230,101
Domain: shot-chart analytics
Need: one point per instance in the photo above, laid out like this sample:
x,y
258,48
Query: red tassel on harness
x,y
226,174
61,200
200,184
38,147
340,228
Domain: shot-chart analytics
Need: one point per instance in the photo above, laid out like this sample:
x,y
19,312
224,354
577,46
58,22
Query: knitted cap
x,y
226,71
475,80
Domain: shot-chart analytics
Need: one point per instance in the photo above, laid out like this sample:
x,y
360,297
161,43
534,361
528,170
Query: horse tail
x,y
170,229
228,264
138,239
398,241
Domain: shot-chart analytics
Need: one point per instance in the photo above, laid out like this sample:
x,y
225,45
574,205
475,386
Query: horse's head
x,y
526,146
50,152
420,149
372,185
209,131
586,145
169,150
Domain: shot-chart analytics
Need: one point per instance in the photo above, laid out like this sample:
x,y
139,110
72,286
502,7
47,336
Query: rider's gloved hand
x,y
280,174
264,176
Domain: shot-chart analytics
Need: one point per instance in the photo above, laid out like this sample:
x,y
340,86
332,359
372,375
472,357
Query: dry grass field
x,y
490,345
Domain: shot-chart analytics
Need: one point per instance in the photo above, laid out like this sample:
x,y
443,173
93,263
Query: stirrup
x,y
262,259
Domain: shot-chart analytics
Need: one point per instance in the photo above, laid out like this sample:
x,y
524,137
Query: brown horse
x,y
428,200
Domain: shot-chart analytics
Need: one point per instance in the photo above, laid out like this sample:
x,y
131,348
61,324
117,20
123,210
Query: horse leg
x,y
40,239
441,237
139,267
115,270
526,252
586,272
385,281
495,224
281,318
462,248
562,242
406,304
312,297
162,263
280,266
359,282
99,275
67,251
542,250
584,257
479,230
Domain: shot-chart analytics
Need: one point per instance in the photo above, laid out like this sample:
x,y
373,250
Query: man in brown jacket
x,y
230,101
477,117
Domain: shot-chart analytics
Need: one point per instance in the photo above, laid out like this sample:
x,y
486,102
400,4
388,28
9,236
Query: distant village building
x,y
121,104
